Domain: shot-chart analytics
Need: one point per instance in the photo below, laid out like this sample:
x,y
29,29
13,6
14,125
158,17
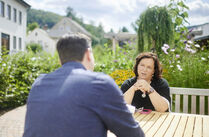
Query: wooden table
x,y
158,124
153,124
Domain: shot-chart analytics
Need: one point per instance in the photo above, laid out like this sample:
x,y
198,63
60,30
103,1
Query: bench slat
x,y
189,91
208,105
193,104
185,102
202,105
177,103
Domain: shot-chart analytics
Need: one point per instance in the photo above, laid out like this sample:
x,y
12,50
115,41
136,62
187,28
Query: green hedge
x,y
18,72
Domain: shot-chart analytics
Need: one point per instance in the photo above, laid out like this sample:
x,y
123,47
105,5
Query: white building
x,y
13,20
41,37
64,26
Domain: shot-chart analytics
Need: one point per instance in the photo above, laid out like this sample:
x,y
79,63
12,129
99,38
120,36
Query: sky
x,y
118,13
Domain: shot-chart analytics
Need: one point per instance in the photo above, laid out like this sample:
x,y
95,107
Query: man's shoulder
x,y
99,76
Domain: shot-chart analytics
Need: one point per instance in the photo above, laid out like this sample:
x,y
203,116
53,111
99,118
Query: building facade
x,y
13,20
41,37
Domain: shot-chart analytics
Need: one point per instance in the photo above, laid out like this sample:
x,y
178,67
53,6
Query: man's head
x,y
76,47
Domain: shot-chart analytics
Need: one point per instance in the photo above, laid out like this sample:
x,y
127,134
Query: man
x,y
73,101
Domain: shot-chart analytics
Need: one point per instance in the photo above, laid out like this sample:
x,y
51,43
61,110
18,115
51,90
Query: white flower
x,y
202,58
178,61
188,46
172,50
171,66
189,41
4,65
192,51
207,72
33,58
179,67
197,45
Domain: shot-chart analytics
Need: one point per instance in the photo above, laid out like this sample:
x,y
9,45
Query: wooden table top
x,y
158,124
154,124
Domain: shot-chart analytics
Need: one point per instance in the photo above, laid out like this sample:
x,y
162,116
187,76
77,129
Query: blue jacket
x,y
75,102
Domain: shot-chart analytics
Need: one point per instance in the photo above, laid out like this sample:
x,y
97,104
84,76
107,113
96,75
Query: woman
x,y
147,89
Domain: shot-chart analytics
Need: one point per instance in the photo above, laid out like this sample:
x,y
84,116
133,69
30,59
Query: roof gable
x,y
66,25
23,3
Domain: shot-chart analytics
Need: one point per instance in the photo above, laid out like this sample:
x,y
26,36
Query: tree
x,y
34,47
124,29
155,28
178,11
70,12
42,17
32,26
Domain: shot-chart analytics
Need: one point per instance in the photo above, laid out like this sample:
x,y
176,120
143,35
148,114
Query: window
x,y
2,8
15,15
9,12
20,17
20,44
14,42
5,42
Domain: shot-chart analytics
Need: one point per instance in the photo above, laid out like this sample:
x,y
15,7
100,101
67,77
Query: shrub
x,y
34,47
18,72
107,61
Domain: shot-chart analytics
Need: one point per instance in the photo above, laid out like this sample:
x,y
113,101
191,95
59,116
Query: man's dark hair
x,y
157,67
72,47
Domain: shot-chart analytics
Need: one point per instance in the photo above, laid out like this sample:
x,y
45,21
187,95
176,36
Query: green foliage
x,y
186,69
35,48
42,17
178,11
155,27
32,26
18,72
181,67
107,61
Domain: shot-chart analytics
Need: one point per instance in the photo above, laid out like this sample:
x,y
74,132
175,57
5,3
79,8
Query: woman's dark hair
x,y
157,67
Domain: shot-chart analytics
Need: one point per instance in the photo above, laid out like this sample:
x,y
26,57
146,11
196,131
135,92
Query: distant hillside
x,y
43,17
50,18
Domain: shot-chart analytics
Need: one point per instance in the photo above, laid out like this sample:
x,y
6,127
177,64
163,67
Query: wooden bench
x,y
190,100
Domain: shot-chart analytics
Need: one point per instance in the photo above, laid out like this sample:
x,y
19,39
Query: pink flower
x,y
164,50
165,47
177,56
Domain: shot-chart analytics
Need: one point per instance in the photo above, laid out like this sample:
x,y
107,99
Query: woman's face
x,y
146,69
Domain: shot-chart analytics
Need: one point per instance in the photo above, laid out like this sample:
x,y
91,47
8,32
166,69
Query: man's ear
x,y
86,57
88,54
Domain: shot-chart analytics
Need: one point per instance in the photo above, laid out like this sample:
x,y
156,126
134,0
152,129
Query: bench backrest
x,y
182,97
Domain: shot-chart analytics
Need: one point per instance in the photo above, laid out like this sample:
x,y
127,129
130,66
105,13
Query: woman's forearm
x,y
129,94
159,103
